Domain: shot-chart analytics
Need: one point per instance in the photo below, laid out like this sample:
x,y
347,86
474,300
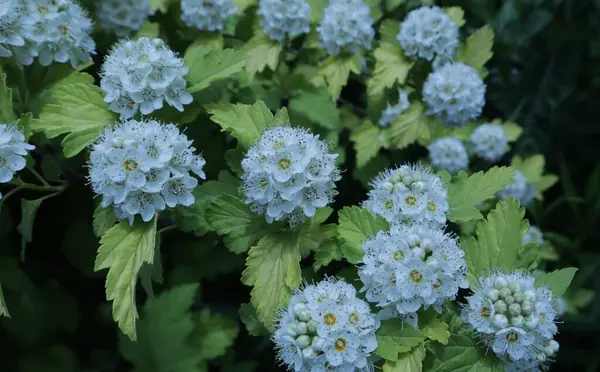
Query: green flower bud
x,y
312,326
500,306
517,321
514,287
529,295
493,295
302,328
531,322
526,308
500,283
509,300
505,292
519,297
309,353
304,316
318,343
303,341
292,330
514,309
407,180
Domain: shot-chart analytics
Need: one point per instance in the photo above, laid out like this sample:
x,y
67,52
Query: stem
x,y
9,194
167,228
29,186
40,178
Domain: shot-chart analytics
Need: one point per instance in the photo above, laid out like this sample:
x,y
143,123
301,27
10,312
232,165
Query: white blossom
x,y
392,112
454,94
122,17
12,26
142,167
429,33
514,319
289,174
408,194
13,150
284,18
410,268
347,26
519,189
489,142
449,154
141,75
207,15
325,327
533,235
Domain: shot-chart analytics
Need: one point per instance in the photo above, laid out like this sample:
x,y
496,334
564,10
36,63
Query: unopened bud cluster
x,y
326,327
13,150
284,18
489,142
449,154
122,17
346,27
207,15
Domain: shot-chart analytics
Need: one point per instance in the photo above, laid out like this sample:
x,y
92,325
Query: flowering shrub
x,y
224,154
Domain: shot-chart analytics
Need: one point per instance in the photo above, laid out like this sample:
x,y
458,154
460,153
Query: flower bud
x,y
318,343
526,308
514,287
514,309
302,328
303,341
309,353
517,321
418,252
554,345
500,321
541,357
292,330
418,186
413,240
519,297
426,244
407,180
500,306
509,300
493,295
304,315
505,292
500,283
388,186
529,295
531,321
433,263
299,308
312,326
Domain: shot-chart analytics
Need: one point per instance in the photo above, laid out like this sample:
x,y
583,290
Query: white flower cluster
x,y
513,318
326,328
413,267
449,154
429,33
140,75
140,166
13,150
284,18
392,112
288,174
50,31
207,15
489,142
455,94
519,189
533,235
347,26
408,194
122,17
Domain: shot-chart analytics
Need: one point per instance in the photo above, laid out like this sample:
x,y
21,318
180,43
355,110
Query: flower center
x,y
130,165
437,284
354,318
410,200
340,344
388,205
329,319
278,145
432,207
284,164
264,182
485,312
416,276
321,298
512,337
398,255
393,278
64,30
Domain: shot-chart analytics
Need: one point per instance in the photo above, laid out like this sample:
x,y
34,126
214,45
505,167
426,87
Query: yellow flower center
x,y
432,207
354,318
130,165
410,200
278,145
512,337
485,312
329,319
416,276
340,344
321,298
64,30
388,205
284,164
398,255
393,278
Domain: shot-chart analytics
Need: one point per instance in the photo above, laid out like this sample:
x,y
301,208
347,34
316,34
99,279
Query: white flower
x,y
408,194
449,154
347,26
284,18
141,75
392,112
207,15
455,94
122,17
519,189
489,142
533,235
326,327
429,33
142,167
13,150
513,318
289,174
410,268
51,31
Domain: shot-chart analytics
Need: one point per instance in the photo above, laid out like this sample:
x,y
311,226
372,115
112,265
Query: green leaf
x,y
273,270
165,331
557,281
312,233
244,122
316,9
356,225
433,327
533,170
204,68
7,114
478,49
148,29
317,107
336,70
29,210
391,68
395,337
236,223
162,5
3,307
329,251
80,111
412,126
456,14
461,354
512,130
104,219
244,4
122,251
214,334
411,361
466,192
368,140
262,52
498,240
251,321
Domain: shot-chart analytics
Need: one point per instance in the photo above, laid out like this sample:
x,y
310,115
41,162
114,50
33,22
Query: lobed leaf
x,y
356,225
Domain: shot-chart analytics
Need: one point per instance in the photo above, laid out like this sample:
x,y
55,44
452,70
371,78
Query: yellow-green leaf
x,y
356,225
104,219
478,49
368,140
336,70
557,281
391,68
317,107
262,52
395,337
512,130
7,114
411,361
456,14
204,68
412,126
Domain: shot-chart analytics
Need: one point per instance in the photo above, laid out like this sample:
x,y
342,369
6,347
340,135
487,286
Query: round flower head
x,y
13,150
429,33
392,112
207,15
325,327
449,154
288,174
455,94
519,189
140,75
346,26
533,235
489,142
413,267
408,194
513,318
284,18
54,31
141,167
12,26
122,17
